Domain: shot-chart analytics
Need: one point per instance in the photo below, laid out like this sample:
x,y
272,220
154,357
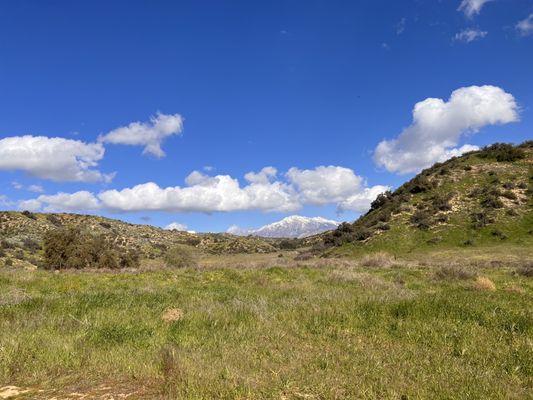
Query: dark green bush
x,y
31,245
502,152
421,219
28,214
8,262
288,244
441,202
74,248
499,234
480,219
6,244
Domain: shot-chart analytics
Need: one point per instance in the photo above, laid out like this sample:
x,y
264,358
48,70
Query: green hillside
x,y
483,198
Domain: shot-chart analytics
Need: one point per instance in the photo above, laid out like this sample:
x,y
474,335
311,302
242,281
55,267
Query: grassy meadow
x,y
263,327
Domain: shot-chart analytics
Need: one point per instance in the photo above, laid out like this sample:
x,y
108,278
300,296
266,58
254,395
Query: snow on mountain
x,y
294,226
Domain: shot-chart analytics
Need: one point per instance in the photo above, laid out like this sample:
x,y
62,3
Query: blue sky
x,y
241,86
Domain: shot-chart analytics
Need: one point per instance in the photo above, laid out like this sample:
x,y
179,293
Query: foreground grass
x,y
292,332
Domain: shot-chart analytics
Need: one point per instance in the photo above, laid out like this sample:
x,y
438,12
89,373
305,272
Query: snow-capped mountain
x,y
294,226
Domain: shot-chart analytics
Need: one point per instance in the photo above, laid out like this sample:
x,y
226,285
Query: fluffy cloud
x,y
469,35
264,176
472,7
79,201
324,185
57,159
360,202
35,188
438,125
525,27
203,194
30,188
222,193
148,134
176,226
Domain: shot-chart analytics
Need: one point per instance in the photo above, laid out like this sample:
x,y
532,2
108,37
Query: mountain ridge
x,y
293,226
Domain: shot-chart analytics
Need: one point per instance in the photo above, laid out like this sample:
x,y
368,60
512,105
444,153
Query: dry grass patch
x,y
484,283
454,271
380,259
172,315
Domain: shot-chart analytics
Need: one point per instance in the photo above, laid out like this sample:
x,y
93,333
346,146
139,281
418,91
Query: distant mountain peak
x,y
293,226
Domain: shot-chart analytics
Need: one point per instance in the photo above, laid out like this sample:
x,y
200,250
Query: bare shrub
x,y
526,269
380,259
454,272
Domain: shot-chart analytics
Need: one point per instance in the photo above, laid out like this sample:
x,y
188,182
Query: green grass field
x,y
329,330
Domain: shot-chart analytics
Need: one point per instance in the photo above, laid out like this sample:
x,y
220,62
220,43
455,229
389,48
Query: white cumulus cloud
x,y
525,27
222,193
148,134
175,226
360,202
438,125
78,201
469,35
323,185
472,7
57,159
203,194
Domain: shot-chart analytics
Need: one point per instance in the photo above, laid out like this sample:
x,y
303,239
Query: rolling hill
x,y
481,198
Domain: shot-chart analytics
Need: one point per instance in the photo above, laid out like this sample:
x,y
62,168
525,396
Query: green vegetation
x,y
476,200
379,328
180,256
75,248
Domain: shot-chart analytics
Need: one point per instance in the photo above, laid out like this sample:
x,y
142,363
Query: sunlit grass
x,y
271,332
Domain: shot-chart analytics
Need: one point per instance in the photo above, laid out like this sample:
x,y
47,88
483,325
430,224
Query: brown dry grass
x,y
172,315
379,259
484,283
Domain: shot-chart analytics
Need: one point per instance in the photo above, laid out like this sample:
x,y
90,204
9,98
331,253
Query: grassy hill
x,y
21,236
483,198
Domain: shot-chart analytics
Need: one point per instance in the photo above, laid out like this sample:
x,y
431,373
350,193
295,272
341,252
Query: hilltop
x,y
481,198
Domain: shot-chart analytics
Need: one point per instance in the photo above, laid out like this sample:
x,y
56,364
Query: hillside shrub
x,y
509,195
53,220
29,214
502,152
499,234
180,256
74,248
31,245
441,202
491,201
421,219
480,219
6,244
288,244
8,262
